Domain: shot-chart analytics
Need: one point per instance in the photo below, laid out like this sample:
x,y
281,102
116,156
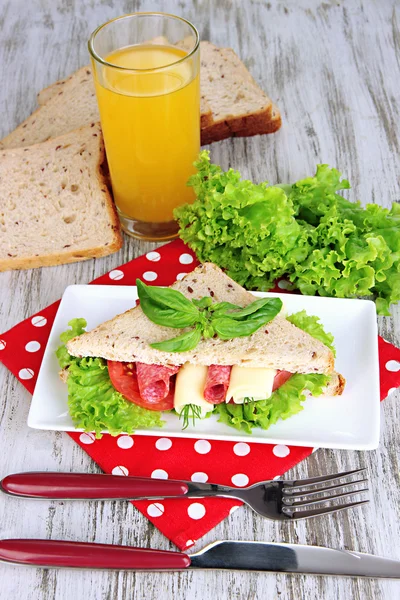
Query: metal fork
x,y
279,499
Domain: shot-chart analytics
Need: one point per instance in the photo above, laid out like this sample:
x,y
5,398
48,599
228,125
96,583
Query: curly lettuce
x,y
311,324
93,402
307,231
247,229
285,402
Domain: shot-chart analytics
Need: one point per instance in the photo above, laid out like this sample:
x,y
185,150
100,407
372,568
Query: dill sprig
x,y
248,400
189,412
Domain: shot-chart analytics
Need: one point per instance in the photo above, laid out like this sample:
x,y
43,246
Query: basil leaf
x,y
262,303
222,307
227,328
208,331
181,343
165,309
203,303
166,297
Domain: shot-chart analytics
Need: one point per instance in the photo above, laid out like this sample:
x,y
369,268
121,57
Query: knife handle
x,y
82,555
85,486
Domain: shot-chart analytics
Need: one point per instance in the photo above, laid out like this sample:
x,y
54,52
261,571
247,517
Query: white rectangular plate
x,y
348,421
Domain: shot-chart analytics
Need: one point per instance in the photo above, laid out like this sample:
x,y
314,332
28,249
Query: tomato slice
x,y
280,378
124,379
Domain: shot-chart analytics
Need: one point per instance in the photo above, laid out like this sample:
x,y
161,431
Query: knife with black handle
x,y
243,556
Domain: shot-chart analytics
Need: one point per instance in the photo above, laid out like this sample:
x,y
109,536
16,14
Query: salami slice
x,y
124,379
154,381
280,378
217,383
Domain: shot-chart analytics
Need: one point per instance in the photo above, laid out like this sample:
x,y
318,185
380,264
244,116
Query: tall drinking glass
x,y
146,70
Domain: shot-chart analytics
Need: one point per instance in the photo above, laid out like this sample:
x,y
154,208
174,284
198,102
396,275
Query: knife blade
x,y
293,558
243,556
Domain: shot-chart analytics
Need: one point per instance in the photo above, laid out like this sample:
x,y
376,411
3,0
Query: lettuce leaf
x,y
247,229
312,326
93,402
76,327
283,403
324,243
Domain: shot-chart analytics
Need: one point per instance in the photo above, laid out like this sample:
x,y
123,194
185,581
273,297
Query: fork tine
x,y
305,482
305,514
294,493
308,502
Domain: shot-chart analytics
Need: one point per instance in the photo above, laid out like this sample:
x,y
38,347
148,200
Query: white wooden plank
x,y
333,69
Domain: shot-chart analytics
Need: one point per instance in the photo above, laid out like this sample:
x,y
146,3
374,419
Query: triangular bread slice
x,y
278,345
56,206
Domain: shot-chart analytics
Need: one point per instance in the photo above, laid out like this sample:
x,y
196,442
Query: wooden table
x,y
333,69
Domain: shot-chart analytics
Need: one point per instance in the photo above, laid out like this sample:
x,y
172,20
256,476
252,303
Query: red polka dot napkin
x,y
240,464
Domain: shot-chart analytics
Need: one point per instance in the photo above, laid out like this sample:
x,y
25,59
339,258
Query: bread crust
x,y
245,126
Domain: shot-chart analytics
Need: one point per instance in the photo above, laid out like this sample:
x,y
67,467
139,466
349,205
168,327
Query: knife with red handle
x,y
82,555
244,556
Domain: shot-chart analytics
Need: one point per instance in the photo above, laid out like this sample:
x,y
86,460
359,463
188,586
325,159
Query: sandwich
x,y
203,346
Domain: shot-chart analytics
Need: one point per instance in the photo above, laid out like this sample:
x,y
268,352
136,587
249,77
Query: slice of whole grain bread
x,y
278,345
55,206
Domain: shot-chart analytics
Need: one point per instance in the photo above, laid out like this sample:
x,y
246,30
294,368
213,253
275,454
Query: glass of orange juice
x,y
146,69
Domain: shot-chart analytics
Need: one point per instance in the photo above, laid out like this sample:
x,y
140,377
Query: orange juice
x,y
151,124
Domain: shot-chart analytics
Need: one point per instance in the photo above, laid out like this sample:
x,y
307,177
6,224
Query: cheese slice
x,y
248,382
189,388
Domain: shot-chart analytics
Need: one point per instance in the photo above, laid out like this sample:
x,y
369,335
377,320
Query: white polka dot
x,y
159,474
26,374
2,344
392,390
120,471
233,509
155,510
180,276
202,446
153,256
196,511
285,285
240,480
150,276
241,449
280,451
190,542
116,274
163,444
186,259
393,365
87,438
125,442
199,477
32,346
39,321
